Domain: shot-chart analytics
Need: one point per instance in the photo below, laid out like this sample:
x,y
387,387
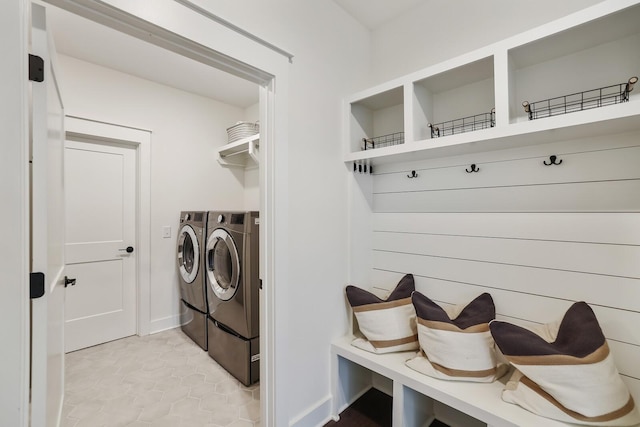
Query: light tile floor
x,y
158,380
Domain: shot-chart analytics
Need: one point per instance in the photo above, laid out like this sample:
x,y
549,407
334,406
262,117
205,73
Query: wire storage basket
x,y
464,124
242,130
383,141
594,98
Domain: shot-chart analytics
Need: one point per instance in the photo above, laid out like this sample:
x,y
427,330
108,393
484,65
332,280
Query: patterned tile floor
x,y
158,380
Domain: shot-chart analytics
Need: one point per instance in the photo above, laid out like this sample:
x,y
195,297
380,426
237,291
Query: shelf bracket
x,y
229,164
246,148
253,151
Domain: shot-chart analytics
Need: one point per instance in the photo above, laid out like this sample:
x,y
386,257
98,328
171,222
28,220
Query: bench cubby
x,y
419,399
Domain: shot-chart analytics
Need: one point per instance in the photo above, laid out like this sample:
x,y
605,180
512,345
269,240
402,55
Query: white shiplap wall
x,y
537,238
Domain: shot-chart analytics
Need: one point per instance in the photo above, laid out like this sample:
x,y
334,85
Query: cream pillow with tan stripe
x,y
456,345
565,371
388,325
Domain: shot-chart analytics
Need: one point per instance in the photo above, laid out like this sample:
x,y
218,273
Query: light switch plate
x,y
166,231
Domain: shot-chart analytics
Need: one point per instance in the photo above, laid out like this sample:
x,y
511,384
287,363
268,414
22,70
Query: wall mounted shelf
x,y
604,121
240,153
588,49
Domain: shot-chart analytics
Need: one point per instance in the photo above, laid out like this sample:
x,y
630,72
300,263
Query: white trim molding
x,y
141,139
316,415
215,18
14,228
114,17
166,323
181,30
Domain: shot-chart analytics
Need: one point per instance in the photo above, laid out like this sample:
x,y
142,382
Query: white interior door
x,y
47,233
100,196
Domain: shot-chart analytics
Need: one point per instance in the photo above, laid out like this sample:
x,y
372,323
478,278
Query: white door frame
x,y
47,228
14,216
180,30
177,28
139,139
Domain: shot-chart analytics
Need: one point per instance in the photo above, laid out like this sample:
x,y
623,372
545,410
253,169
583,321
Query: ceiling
x,y
373,13
86,40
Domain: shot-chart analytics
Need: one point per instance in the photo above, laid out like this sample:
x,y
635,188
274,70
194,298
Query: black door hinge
x,y
260,286
36,281
36,68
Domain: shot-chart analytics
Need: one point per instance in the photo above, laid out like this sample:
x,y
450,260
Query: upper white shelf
x,y
608,120
239,153
590,49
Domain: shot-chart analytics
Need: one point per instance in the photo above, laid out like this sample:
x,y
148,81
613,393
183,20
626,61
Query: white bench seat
x,y
478,400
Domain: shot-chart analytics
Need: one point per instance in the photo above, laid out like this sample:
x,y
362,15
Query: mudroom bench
x,y
419,399
539,211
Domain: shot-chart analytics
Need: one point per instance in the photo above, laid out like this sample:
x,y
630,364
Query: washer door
x,y
223,264
188,254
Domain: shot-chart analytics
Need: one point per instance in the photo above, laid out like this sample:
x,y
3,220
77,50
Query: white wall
x,y
437,30
185,175
252,172
331,58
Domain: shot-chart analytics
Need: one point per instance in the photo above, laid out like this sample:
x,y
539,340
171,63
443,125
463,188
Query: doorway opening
x,y
107,214
194,162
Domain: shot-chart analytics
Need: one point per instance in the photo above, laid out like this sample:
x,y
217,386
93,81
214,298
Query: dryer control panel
x,y
234,219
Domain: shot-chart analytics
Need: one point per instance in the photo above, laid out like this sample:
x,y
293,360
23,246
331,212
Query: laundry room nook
x,y
329,213
186,132
201,159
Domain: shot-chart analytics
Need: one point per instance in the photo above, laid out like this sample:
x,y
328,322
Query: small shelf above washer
x,y
240,153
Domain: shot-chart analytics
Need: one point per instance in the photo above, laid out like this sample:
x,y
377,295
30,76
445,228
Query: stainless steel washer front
x,y
191,276
188,253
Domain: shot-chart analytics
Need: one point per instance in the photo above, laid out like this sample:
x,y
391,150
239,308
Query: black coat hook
x,y
474,168
413,175
361,167
552,161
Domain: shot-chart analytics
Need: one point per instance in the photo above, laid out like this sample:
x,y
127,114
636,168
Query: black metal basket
x,y
465,124
594,98
383,141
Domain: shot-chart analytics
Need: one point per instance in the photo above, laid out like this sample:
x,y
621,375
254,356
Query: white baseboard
x,y
58,421
169,322
353,399
316,415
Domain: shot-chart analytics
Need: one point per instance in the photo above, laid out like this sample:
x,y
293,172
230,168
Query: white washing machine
x,y
233,286
191,275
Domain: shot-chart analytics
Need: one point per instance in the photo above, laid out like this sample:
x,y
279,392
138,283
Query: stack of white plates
x,y
242,130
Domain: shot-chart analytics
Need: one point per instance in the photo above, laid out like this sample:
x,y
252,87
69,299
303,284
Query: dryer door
x,y
188,253
223,264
